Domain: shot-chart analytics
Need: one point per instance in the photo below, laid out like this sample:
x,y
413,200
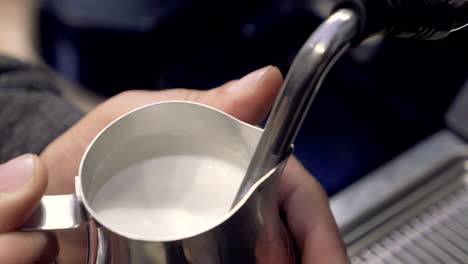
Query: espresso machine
x,y
413,208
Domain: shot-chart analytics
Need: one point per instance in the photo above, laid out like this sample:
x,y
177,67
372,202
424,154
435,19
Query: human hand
x,y
22,183
249,99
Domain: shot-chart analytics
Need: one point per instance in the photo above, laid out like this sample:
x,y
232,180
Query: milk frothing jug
x,y
251,232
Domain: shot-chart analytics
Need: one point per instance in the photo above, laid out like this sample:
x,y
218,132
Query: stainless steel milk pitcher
x,y
250,232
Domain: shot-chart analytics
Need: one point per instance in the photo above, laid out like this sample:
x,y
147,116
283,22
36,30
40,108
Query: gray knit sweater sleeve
x,y
32,112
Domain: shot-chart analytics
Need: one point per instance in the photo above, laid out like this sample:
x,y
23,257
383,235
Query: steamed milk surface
x,y
168,196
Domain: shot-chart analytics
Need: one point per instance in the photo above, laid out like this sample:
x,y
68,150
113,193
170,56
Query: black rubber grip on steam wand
x,y
422,19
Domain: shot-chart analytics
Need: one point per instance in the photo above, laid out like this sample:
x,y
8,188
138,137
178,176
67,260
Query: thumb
x,y
22,183
249,99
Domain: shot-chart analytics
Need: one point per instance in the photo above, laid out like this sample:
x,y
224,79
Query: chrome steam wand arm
x,y
331,39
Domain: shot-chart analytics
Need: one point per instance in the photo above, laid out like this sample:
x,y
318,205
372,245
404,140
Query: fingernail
x,y
16,172
254,77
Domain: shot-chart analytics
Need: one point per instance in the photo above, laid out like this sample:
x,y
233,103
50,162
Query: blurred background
x,y
380,98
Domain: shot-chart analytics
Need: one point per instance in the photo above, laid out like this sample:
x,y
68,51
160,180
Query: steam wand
x,y
331,39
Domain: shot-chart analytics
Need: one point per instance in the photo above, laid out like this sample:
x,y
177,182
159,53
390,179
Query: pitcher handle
x,y
59,212
56,212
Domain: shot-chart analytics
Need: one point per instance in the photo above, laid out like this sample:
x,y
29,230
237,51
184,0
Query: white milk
x,y
168,196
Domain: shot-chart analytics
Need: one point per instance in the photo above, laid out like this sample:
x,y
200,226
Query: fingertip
x,y
275,76
19,203
270,84
265,82
250,98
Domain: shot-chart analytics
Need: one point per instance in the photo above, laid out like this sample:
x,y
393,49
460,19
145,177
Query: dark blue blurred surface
x,y
375,103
